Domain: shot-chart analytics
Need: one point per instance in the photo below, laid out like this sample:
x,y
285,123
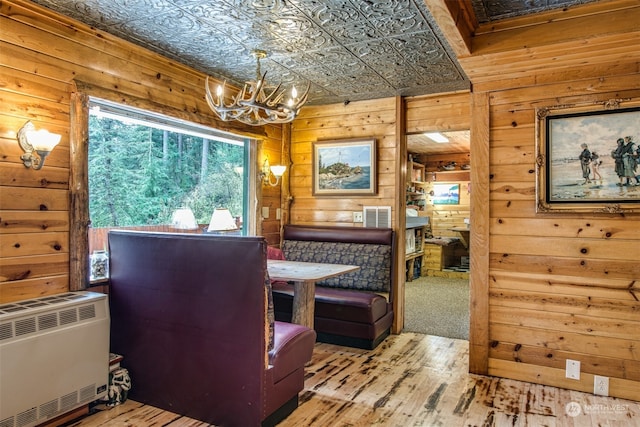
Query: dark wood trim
x,y
256,177
79,192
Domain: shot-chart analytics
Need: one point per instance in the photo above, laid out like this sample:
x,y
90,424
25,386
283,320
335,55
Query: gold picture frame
x,y
579,161
344,167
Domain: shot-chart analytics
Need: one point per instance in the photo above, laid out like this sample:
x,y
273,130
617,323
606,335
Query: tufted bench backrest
x,y
372,249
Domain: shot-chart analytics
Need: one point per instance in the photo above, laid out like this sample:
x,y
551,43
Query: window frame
x,y
79,163
126,114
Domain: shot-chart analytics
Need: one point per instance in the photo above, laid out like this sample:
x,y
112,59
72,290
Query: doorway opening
x,y
438,190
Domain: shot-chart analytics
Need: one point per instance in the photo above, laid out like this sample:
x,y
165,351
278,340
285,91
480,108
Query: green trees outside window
x,y
142,168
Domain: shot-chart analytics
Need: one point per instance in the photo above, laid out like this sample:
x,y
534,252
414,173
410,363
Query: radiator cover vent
x,y
48,320
55,356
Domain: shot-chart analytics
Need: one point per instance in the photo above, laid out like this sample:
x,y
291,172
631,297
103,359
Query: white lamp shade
x,y
221,220
184,219
278,170
43,140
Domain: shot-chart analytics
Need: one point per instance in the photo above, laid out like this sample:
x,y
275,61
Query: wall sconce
x,y
42,142
267,171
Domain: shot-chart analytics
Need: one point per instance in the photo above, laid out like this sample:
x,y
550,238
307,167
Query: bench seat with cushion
x,y
353,309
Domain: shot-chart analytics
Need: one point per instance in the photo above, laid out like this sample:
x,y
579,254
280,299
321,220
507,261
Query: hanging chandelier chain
x,y
258,54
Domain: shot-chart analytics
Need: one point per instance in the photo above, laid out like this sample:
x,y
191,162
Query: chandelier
x,y
255,105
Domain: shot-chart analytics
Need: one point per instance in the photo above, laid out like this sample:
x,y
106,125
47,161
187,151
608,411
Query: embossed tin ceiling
x,y
496,10
347,49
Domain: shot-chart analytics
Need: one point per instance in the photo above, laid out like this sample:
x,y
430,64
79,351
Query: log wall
x,y
362,119
556,286
44,58
381,119
553,287
369,119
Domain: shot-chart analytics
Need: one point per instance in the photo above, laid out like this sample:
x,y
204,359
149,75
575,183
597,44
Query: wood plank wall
x,y
42,57
366,119
560,286
270,196
362,119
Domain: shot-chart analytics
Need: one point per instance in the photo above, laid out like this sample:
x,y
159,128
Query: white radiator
x,y
54,356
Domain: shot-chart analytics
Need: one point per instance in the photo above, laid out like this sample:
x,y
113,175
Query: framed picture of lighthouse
x,y
346,167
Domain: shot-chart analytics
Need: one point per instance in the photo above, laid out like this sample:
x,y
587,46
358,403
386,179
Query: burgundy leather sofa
x,y
189,313
353,309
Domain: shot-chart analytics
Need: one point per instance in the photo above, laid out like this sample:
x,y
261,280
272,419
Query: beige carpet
x,y
437,306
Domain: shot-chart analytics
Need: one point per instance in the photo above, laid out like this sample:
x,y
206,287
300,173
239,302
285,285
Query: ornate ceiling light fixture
x,y
255,105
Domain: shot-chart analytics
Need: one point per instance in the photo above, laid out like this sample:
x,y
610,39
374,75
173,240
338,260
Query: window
x,y
143,166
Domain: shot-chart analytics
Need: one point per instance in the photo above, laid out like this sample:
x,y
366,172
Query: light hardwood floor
x,y
410,380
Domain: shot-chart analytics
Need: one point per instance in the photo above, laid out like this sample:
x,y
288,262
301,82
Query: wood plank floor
x,y
409,380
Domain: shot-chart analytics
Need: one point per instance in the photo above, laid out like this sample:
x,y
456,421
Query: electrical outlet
x,y
601,385
573,369
357,217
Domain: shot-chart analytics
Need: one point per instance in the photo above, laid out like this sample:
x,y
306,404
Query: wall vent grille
x,y
6,332
68,316
25,326
57,319
377,216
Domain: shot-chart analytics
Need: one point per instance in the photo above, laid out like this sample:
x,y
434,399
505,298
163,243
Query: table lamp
x,y
221,220
183,219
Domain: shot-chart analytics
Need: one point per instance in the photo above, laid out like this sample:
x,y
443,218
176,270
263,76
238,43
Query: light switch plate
x,y
265,212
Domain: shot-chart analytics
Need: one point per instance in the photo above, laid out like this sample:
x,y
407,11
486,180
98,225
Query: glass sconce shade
x,y
267,171
41,141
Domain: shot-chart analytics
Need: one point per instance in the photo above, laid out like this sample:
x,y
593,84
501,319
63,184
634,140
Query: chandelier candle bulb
x,y
257,103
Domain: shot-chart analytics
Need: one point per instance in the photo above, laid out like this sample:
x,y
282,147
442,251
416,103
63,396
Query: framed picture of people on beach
x,y
346,167
588,157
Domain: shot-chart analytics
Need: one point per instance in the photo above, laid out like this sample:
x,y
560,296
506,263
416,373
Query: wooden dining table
x,y
464,233
304,276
